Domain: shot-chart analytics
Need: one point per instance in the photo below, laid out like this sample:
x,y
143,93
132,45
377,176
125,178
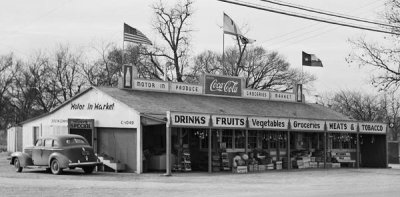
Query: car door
x,y
46,151
37,152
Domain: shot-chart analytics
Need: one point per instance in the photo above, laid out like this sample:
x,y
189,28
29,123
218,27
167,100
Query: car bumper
x,y
82,164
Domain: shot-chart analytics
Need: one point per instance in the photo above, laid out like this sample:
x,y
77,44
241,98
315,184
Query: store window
x,y
240,139
35,134
227,138
252,139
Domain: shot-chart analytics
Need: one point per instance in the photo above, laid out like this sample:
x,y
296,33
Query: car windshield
x,y
74,141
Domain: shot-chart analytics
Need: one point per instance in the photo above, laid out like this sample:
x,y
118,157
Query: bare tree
x,y
173,25
8,65
260,68
359,106
384,56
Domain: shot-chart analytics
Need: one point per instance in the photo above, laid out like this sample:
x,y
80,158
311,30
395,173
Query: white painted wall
x,y
94,104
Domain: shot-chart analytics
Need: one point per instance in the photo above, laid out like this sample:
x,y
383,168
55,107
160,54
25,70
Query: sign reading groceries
x,y
189,119
341,126
268,123
370,127
307,125
223,85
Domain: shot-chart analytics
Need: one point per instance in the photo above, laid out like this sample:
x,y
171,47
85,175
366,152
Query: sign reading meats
x,y
222,85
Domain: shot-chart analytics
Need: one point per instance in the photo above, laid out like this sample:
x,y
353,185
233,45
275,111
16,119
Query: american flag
x,y
133,35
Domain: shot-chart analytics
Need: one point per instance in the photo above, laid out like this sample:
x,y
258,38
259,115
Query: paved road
x,y
310,183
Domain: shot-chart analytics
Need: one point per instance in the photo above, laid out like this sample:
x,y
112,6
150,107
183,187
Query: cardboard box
x,y
321,165
262,167
312,159
241,169
335,165
313,164
306,164
270,166
328,165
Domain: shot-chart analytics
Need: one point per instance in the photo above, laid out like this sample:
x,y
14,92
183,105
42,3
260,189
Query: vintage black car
x,y
56,153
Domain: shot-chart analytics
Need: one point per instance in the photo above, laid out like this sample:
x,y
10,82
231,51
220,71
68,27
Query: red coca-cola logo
x,y
228,86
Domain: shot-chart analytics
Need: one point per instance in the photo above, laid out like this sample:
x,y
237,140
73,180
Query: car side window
x,y
55,143
48,142
39,142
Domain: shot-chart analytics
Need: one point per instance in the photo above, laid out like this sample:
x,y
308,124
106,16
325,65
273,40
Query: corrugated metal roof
x,y
149,102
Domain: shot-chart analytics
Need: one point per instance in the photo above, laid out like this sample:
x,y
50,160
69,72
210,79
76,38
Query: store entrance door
x,y
82,127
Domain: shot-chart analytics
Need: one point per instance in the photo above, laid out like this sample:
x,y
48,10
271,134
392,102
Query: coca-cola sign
x,y
221,85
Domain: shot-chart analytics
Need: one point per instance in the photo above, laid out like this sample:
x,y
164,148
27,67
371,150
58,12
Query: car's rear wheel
x,y
17,165
55,167
88,169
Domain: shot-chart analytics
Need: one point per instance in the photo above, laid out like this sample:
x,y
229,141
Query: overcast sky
x,y
29,25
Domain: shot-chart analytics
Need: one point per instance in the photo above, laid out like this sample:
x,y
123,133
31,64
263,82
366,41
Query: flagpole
x,y
223,48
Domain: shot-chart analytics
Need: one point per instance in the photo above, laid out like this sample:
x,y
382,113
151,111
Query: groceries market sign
x,y
221,85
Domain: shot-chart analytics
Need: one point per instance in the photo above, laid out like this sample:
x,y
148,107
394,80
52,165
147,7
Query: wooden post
x,y
288,151
246,143
325,147
168,146
209,151
358,150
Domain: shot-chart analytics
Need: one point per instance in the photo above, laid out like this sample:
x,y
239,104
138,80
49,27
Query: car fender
x,y
62,159
24,159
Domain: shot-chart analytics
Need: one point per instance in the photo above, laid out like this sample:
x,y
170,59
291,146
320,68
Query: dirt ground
x,y
312,182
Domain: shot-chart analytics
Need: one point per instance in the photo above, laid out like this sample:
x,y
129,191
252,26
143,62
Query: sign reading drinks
x,y
268,123
307,125
141,84
229,121
370,127
187,119
341,126
223,85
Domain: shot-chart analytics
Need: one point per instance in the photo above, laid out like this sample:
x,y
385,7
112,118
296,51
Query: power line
x,y
281,3
309,17
308,27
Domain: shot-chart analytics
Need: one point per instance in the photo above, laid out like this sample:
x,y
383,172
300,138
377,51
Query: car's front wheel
x,y
55,167
88,169
17,165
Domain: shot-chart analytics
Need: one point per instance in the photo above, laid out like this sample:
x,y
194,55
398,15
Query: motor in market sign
x,y
189,119
307,125
341,126
268,123
370,127
223,121
222,85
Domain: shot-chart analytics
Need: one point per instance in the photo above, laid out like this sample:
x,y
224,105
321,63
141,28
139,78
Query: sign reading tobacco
x,y
222,85
370,127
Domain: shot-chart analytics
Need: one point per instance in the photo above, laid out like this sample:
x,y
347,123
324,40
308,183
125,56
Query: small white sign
x,y
188,119
256,94
307,125
370,127
282,96
341,126
268,123
229,121
141,84
186,88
